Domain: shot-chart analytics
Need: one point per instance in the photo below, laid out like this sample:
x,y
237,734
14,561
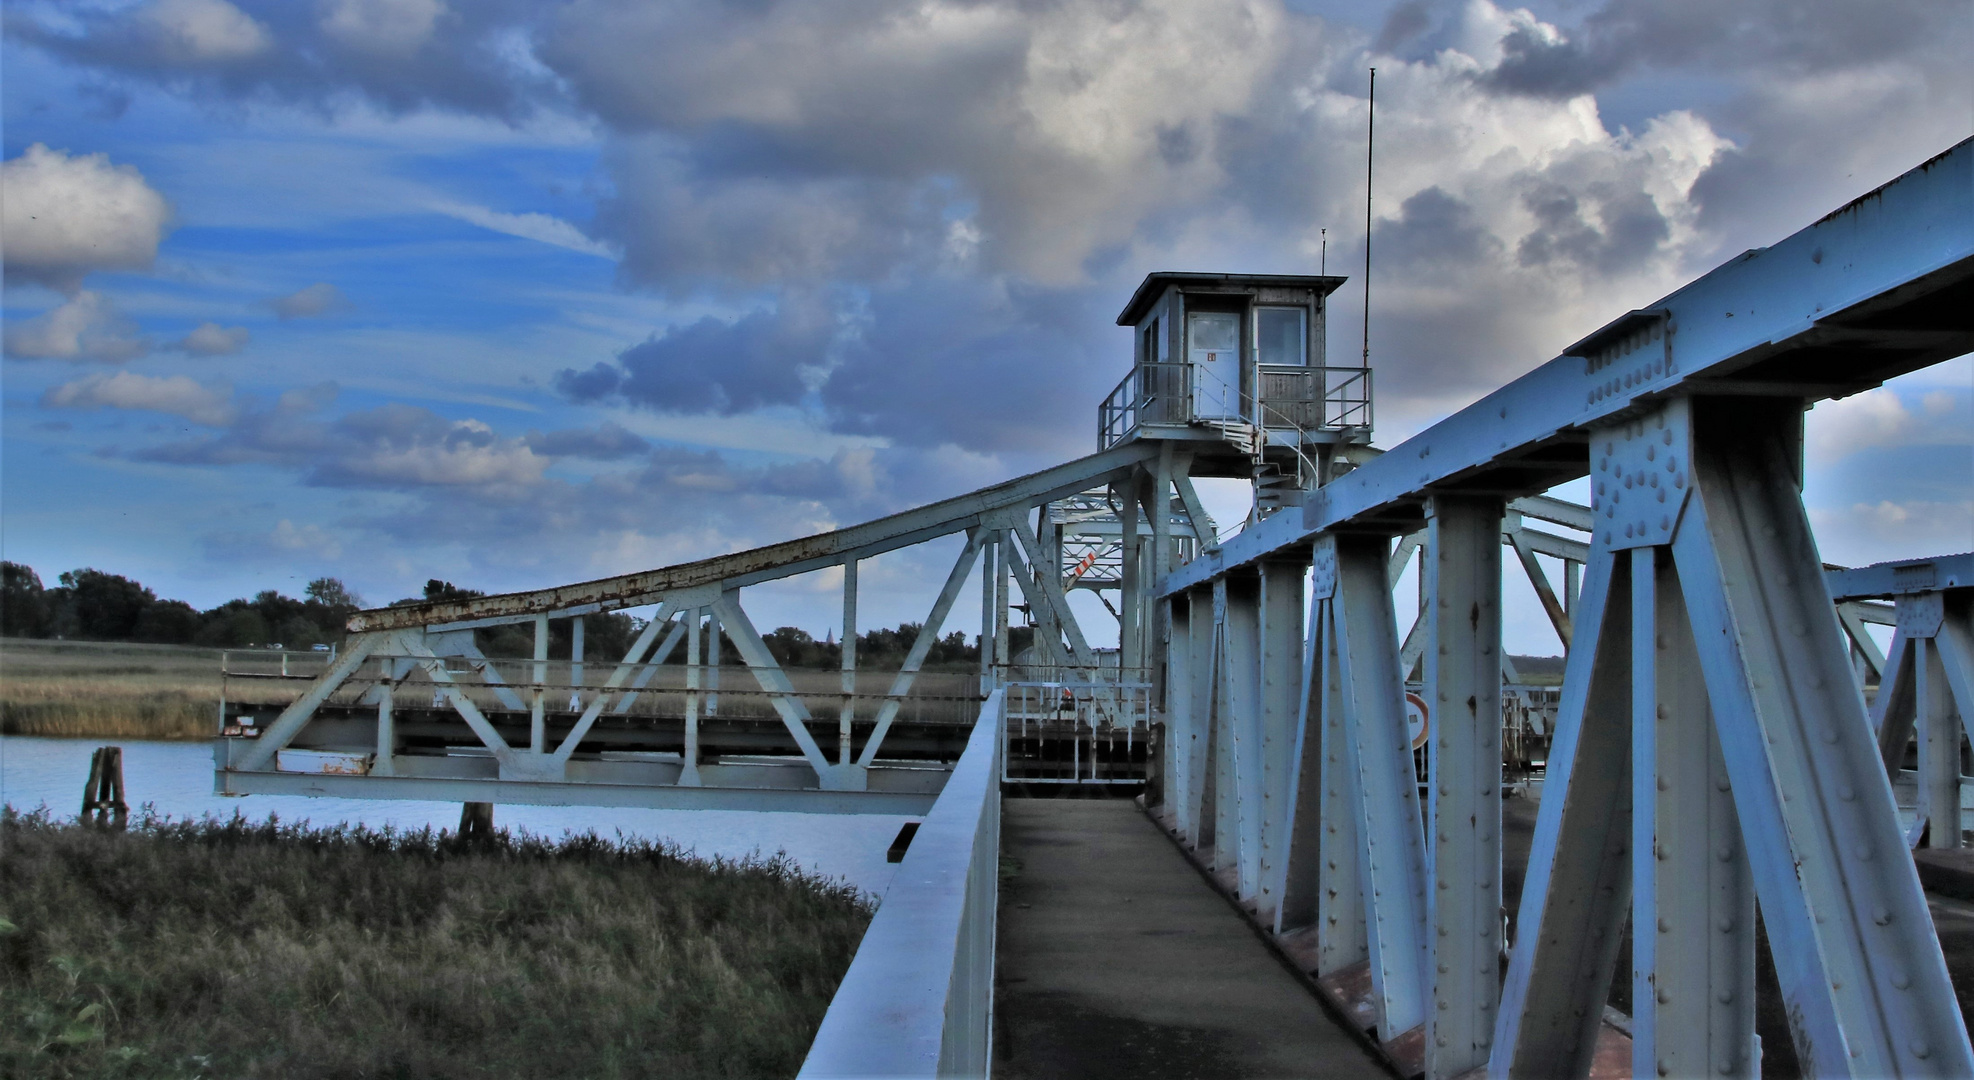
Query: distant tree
x,y
169,622
100,606
235,624
23,602
332,593
446,590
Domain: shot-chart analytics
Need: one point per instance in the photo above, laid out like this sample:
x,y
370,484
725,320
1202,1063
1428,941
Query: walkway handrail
x,y
918,999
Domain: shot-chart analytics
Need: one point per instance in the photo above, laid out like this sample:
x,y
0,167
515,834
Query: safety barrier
x,y
918,999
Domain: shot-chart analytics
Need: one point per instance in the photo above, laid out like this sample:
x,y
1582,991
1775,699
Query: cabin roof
x,y
1155,284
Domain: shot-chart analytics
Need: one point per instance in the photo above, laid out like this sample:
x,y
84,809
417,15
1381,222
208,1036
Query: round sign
x,y
1417,721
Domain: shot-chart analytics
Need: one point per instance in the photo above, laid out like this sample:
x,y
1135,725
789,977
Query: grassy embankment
x,y
257,949
88,689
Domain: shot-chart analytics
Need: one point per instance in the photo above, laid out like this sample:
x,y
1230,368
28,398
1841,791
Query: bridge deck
x,y
1117,960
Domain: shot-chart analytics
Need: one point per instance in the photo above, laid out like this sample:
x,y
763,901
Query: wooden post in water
x,y
476,822
102,794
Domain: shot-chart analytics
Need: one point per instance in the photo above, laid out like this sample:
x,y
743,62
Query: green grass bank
x,y
235,949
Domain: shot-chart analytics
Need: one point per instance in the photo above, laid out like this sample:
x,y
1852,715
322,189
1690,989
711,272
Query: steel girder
x,y
1712,746
432,644
1876,289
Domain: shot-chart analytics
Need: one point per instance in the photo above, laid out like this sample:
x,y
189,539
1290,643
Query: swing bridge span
x,y
1728,736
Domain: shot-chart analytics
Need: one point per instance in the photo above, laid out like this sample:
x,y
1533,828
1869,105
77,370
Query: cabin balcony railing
x,y
1149,394
1291,396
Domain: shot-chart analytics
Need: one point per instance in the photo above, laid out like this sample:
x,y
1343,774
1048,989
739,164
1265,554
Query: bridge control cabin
x,y
1233,364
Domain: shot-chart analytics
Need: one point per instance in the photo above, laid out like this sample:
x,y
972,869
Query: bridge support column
x,y
1463,692
1199,817
1280,686
1175,746
1380,782
1243,798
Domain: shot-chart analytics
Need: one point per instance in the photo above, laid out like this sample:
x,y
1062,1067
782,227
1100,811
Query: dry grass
x,y
87,689
255,949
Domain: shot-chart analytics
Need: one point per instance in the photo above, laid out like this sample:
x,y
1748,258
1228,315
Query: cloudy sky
x,y
521,293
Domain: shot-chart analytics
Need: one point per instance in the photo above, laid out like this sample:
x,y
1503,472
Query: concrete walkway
x,y
1116,960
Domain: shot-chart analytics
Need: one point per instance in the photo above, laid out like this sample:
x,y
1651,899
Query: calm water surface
x,y
176,779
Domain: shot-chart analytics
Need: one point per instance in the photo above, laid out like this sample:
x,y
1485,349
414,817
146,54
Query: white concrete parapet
x,y
919,996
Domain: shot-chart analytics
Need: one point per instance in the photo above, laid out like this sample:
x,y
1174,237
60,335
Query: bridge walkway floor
x,y
1115,959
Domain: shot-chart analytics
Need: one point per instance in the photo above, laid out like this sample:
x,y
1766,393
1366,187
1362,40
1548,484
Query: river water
x,y
175,778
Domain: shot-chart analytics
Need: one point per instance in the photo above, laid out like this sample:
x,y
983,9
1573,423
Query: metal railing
x,y
918,999
1091,717
1291,396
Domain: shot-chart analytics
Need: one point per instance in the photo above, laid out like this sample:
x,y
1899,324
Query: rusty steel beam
x,y
785,559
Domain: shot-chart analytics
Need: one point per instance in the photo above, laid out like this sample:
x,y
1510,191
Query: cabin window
x,y
1280,335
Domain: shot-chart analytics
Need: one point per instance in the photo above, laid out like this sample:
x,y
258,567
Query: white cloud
x,y
394,28
203,31
1877,418
65,216
320,298
212,339
1866,533
531,226
85,327
453,463
304,539
176,395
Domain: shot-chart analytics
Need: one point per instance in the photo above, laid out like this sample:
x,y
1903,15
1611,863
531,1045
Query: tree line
x,y
94,605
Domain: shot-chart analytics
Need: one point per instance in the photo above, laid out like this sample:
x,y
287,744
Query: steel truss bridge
x,y
1728,739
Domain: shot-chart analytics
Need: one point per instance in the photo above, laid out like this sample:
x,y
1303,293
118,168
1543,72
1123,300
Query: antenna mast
x,y
1370,138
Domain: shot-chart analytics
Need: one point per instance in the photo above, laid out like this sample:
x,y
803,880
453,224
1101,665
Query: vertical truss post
x,y
1299,884
1003,567
1343,940
1863,979
537,724
1176,747
1693,907
848,712
387,737
576,657
1391,844
1223,804
1462,571
1155,493
1130,646
1579,876
712,662
990,569
1240,673
689,771
1891,710
1280,693
1939,745
1198,803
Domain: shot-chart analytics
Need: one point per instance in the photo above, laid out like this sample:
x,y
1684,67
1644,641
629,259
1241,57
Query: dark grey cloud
x,y
605,442
1403,23
1581,228
1434,229
1794,37
713,365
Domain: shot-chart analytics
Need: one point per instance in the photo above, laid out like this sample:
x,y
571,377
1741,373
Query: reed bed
x,y
239,948
86,689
